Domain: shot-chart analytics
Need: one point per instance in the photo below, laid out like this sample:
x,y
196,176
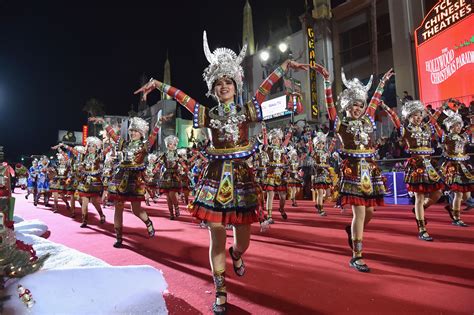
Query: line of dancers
x,y
236,177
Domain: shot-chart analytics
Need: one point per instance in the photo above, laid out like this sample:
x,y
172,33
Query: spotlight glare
x,y
283,47
264,55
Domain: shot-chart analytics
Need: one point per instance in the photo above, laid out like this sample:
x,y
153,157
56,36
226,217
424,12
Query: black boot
x,y
422,233
357,255
84,221
283,213
170,209
219,308
321,212
102,218
457,219
150,228
449,209
239,271
414,212
118,236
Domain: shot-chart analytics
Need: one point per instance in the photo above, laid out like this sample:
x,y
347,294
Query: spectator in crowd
x,y
407,97
429,107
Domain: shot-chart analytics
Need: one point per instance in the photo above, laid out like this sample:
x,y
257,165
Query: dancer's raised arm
x,y
276,75
332,112
181,97
375,100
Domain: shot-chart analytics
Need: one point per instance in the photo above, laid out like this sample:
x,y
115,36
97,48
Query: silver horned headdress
x,y
452,119
152,157
275,133
320,137
355,91
140,125
411,107
95,141
171,139
223,62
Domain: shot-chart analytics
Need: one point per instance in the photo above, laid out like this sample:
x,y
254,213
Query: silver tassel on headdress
x,y
320,137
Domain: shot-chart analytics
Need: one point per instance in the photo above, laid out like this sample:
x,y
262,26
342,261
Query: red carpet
x,y
299,266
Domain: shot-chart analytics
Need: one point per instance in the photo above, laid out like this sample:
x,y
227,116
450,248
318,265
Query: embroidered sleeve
x,y
111,133
152,137
332,112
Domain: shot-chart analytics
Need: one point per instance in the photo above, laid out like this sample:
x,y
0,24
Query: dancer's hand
x,y
147,88
166,117
298,66
388,75
321,70
162,119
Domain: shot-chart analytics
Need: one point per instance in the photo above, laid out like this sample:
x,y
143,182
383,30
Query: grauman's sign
x,y
443,15
312,73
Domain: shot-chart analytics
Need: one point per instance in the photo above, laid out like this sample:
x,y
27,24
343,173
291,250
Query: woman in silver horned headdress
x,y
322,179
128,180
226,193
169,182
276,169
361,184
456,170
90,178
421,177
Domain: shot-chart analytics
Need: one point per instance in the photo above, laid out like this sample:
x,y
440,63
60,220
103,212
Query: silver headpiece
x,y
95,141
453,118
140,125
152,157
411,107
277,132
171,139
355,91
182,152
223,62
320,137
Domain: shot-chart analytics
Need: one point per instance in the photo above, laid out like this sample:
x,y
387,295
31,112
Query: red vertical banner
x,y
85,129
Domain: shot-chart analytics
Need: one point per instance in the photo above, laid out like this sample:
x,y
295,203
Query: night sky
x,y
55,55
